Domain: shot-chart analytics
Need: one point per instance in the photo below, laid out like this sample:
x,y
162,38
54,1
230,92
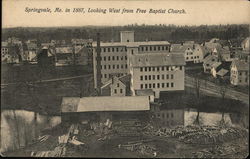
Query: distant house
x,y
242,55
215,68
117,86
64,55
45,57
223,75
246,44
193,52
239,73
76,109
208,62
220,68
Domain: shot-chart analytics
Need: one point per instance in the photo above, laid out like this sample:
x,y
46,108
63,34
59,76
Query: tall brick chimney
x,y
98,64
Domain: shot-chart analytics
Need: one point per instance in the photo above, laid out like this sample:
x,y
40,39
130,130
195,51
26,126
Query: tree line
x,y
170,33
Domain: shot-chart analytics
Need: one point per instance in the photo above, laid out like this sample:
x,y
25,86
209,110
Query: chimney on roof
x,y
98,64
181,43
193,46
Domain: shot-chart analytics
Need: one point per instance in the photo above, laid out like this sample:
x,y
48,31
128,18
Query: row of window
x,y
113,49
152,48
157,85
162,68
192,57
113,58
153,77
114,66
110,75
115,91
167,115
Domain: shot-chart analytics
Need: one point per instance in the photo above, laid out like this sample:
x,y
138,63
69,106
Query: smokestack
x,y
98,65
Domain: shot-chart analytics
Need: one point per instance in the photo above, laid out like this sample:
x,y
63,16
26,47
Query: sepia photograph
x,y
125,78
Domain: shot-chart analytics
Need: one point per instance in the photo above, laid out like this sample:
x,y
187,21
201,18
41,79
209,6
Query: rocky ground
x,y
180,142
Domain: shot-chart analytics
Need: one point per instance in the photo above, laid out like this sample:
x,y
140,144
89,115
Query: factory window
x,y
141,78
141,69
153,77
150,85
101,66
240,73
172,115
104,49
117,66
158,85
158,77
187,58
146,86
146,77
132,51
154,48
109,67
153,68
115,91
191,57
167,68
159,48
172,84
162,76
149,69
162,115
113,66
113,49
149,77
166,48
101,75
162,68
121,57
120,90
105,67
125,57
180,67
162,47
146,69
126,66
167,115
142,49
172,68
172,76
117,57
150,48
113,58
105,75
139,48
197,56
167,85
109,58
153,85
158,68
117,50
118,85
108,49
121,66
146,48
104,58
141,86
162,85
125,49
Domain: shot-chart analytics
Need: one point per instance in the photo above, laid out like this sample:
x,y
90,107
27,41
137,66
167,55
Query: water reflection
x,y
187,116
18,127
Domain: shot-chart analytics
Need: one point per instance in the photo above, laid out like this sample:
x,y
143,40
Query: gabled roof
x,y
124,79
216,64
222,72
105,103
241,65
64,50
158,59
209,58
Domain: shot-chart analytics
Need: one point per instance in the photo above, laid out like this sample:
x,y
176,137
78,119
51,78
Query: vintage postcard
x,y
125,79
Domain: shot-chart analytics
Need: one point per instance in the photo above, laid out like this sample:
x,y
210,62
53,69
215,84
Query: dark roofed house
x,y
76,109
146,92
64,55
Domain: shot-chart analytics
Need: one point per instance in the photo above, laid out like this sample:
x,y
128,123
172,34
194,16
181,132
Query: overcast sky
x,y
197,13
